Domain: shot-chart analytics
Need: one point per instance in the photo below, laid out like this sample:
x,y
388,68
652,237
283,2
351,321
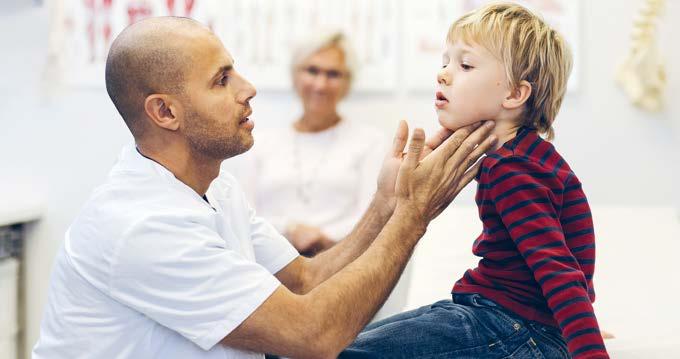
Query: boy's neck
x,y
505,131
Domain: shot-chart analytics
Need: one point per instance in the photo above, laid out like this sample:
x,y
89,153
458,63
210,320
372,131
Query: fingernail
x,y
489,124
493,139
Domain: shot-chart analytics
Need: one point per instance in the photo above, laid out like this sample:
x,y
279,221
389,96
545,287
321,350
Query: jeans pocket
x,y
528,350
515,323
547,340
504,317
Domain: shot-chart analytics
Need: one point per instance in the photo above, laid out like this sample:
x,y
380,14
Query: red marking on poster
x,y
106,29
188,7
90,10
171,6
138,10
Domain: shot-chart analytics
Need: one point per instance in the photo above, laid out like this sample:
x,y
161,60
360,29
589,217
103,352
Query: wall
x,y
63,145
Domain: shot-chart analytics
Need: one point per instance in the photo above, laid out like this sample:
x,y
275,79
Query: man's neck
x,y
190,168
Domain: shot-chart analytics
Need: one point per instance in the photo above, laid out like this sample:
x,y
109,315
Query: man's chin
x,y
247,145
247,142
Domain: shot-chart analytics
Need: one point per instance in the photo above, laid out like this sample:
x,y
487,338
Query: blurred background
x,y
60,134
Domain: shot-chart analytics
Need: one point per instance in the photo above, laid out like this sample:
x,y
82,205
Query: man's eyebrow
x,y
223,69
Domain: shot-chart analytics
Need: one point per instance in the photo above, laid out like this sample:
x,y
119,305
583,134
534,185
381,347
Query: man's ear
x,y
518,96
163,111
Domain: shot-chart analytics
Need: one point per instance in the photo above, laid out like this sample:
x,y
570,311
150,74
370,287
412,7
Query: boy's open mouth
x,y
440,100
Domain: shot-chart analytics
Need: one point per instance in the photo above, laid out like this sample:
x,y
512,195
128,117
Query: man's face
x,y
216,106
472,86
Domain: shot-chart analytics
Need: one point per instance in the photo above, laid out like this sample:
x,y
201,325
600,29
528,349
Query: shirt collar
x,y
131,160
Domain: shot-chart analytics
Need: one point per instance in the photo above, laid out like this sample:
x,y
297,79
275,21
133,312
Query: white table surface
x,y
636,275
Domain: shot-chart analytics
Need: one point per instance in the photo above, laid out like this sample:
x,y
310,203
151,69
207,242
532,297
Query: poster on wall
x,y
263,34
260,34
397,42
82,31
426,25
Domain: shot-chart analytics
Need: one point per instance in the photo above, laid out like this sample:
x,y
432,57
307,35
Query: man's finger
x,y
438,138
478,152
451,144
467,178
400,139
415,148
457,149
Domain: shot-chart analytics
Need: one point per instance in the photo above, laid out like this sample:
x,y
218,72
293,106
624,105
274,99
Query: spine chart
x,y
642,75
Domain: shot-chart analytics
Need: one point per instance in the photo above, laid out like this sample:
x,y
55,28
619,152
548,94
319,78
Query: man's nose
x,y
247,92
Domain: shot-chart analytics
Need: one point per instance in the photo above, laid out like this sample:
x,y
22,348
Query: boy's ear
x,y
163,111
518,96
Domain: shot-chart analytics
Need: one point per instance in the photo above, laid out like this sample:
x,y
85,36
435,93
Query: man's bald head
x,y
149,57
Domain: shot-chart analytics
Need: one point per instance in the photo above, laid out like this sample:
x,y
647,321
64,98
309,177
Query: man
x,y
168,260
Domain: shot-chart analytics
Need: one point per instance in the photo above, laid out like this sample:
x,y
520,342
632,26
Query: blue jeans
x,y
470,326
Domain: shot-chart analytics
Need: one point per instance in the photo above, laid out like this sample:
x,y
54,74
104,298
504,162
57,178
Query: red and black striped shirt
x,y
538,243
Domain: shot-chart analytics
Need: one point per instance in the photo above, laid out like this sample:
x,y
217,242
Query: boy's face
x,y
472,85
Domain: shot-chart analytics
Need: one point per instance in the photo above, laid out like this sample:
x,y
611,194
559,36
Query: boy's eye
x,y
222,81
466,67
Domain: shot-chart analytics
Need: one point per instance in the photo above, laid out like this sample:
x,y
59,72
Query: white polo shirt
x,y
149,269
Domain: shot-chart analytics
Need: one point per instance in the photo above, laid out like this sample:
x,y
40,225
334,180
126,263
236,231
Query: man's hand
x,y
425,188
390,167
323,317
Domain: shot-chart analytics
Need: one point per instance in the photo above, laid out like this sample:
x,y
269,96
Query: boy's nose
x,y
443,77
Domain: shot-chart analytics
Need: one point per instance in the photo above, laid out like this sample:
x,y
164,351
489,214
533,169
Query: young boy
x,y
532,292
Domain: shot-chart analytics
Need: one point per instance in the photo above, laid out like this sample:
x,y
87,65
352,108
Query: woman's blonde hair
x,y
529,49
322,40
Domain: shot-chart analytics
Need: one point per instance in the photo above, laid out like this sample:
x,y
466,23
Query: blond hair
x,y
321,40
530,50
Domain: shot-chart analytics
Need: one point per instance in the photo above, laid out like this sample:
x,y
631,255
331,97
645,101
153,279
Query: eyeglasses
x,y
314,71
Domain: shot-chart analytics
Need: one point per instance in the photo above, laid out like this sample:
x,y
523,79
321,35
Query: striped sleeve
x,y
526,203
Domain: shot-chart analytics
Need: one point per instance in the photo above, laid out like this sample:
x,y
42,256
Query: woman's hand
x,y
308,240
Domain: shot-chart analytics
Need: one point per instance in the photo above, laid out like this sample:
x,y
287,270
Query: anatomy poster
x,y
260,34
398,42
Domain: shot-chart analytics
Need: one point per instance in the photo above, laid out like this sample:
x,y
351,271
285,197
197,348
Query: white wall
x,y
64,145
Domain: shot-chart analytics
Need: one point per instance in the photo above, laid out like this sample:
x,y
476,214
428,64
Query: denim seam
x,y
553,341
504,342
538,354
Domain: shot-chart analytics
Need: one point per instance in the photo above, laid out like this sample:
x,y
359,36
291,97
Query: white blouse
x,y
324,179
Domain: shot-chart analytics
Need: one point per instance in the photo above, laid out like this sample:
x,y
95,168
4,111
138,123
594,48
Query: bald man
x,y
167,259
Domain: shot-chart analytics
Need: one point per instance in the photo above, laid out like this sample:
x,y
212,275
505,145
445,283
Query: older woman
x,y
313,179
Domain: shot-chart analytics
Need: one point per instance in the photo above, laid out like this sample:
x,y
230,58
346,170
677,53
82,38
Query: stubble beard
x,y
209,139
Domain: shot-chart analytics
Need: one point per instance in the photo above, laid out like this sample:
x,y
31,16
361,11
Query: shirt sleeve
x,y
524,195
183,275
272,250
